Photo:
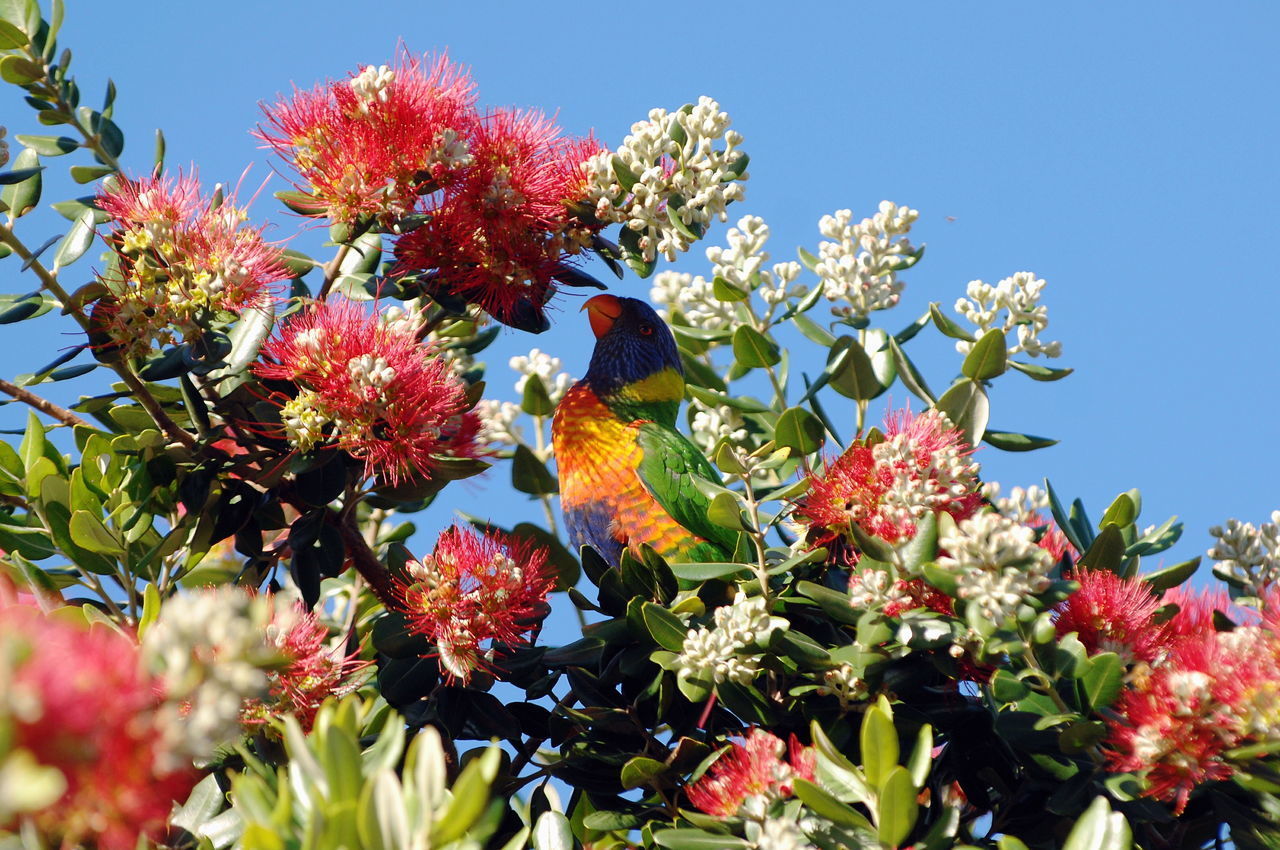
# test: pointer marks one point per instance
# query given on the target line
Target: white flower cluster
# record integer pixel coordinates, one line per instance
(743, 266)
(1250, 555)
(545, 368)
(372, 85)
(1018, 297)
(1021, 506)
(717, 654)
(672, 156)
(925, 477)
(781, 834)
(842, 683)
(210, 648)
(872, 588)
(711, 423)
(997, 563)
(859, 267)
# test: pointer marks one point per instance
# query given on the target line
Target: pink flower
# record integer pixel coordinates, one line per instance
(372, 143)
(1111, 614)
(920, 466)
(182, 263)
(311, 673)
(504, 232)
(473, 591)
(754, 771)
(370, 388)
(80, 702)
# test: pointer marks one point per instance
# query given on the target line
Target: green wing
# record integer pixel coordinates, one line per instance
(668, 469)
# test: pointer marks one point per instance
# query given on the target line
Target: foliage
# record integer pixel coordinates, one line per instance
(889, 653)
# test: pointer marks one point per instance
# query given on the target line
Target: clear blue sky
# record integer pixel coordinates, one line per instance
(1127, 153)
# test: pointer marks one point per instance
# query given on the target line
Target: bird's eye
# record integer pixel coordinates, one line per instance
(645, 330)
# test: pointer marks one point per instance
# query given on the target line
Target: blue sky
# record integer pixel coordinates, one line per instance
(1128, 154)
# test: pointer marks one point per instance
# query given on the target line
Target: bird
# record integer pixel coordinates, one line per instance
(627, 476)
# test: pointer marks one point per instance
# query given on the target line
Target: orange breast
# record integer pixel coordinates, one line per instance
(601, 494)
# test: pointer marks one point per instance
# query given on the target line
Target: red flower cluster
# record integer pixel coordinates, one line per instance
(77, 700)
(1206, 693)
(753, 772)
(312, 672)
(921, 466)
(370, 388)
(181, 261)
(499, 192)
(474, 590)
(1112, 614)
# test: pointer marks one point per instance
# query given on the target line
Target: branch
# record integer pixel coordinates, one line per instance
(367, 564)
(66, 417)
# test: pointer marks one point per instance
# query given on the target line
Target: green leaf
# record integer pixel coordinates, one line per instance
(1008, 688)
(1010, 441)
(987, 359)
(22, 196)
(530, 475)
(89, 533)
(897, 807)
(1099, 829)
(800, 430)
(696, 839)
(1103, 680)
(908, 374)
(752, 349)
(966, 405)
(204, 801)
(88, 173)
(824, 805)
(813, 331)
(626, 177)
(534, 399)
(850, 370)
(19, 70)
(1040, 373)
(726, 512)
(640, 771)
(944, 323)
(1106, 552)
(706, 571)
(869, 544)
(12, 38)
(921, 758)
(663, 626)
(1172, 576)
(48, 145)
(76, 242)
(714, 399)
(923, 547)
(1121, 512)
(552, 831)
(470, 797)
(879, 747)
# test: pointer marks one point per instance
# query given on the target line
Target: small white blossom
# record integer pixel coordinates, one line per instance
(210, 648)
(716, 653)
(711, 423)
(842, 683)
(1018, 298)
(997, 563)
(372, 85)
(1021, 506)
(546, 369)
(926, 476)
(697, 170)
(781, 834)
(1250, 555)
(859, 267)
(498, 422)
(304, 419)
(872, 588)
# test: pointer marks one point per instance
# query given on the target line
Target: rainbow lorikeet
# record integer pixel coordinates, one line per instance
(627, 476)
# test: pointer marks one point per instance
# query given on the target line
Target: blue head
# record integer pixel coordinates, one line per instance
(636, 364)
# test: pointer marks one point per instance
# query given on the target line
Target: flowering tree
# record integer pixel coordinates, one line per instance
(213, 634)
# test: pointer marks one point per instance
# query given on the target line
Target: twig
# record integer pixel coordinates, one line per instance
(66, 417)
(367, 563)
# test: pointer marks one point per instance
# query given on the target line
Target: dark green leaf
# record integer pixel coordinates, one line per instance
(1106, 552)
(752, 349)
(1121, 512)
(813, 331)
(1103, 680)
(76, 242)
(88, 173)
(12, 38)
(530, 475)
(706, 571)
(944, 323)
(1172, 576)
(1040, 373)
(696, 839)
(726, 512)
(966, 405)
(799, 430)
(49, 145)
(639, 771)
(824, 805)
(22, 194)
(663, 626)
(850, 370)
(987, 359)
(908, 374)
(1012, 442)
(534, 399)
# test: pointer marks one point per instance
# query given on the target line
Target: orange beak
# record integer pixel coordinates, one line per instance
(603, 311)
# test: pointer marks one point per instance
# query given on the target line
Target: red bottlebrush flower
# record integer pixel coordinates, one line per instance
(312, 672)
(1194, 617)
(1112, 614)
(472, 590)
(372, 143)
(181, 262)
(921, 466)
(80, 702)
(370, 388)
(753, 772)
(503, 233)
